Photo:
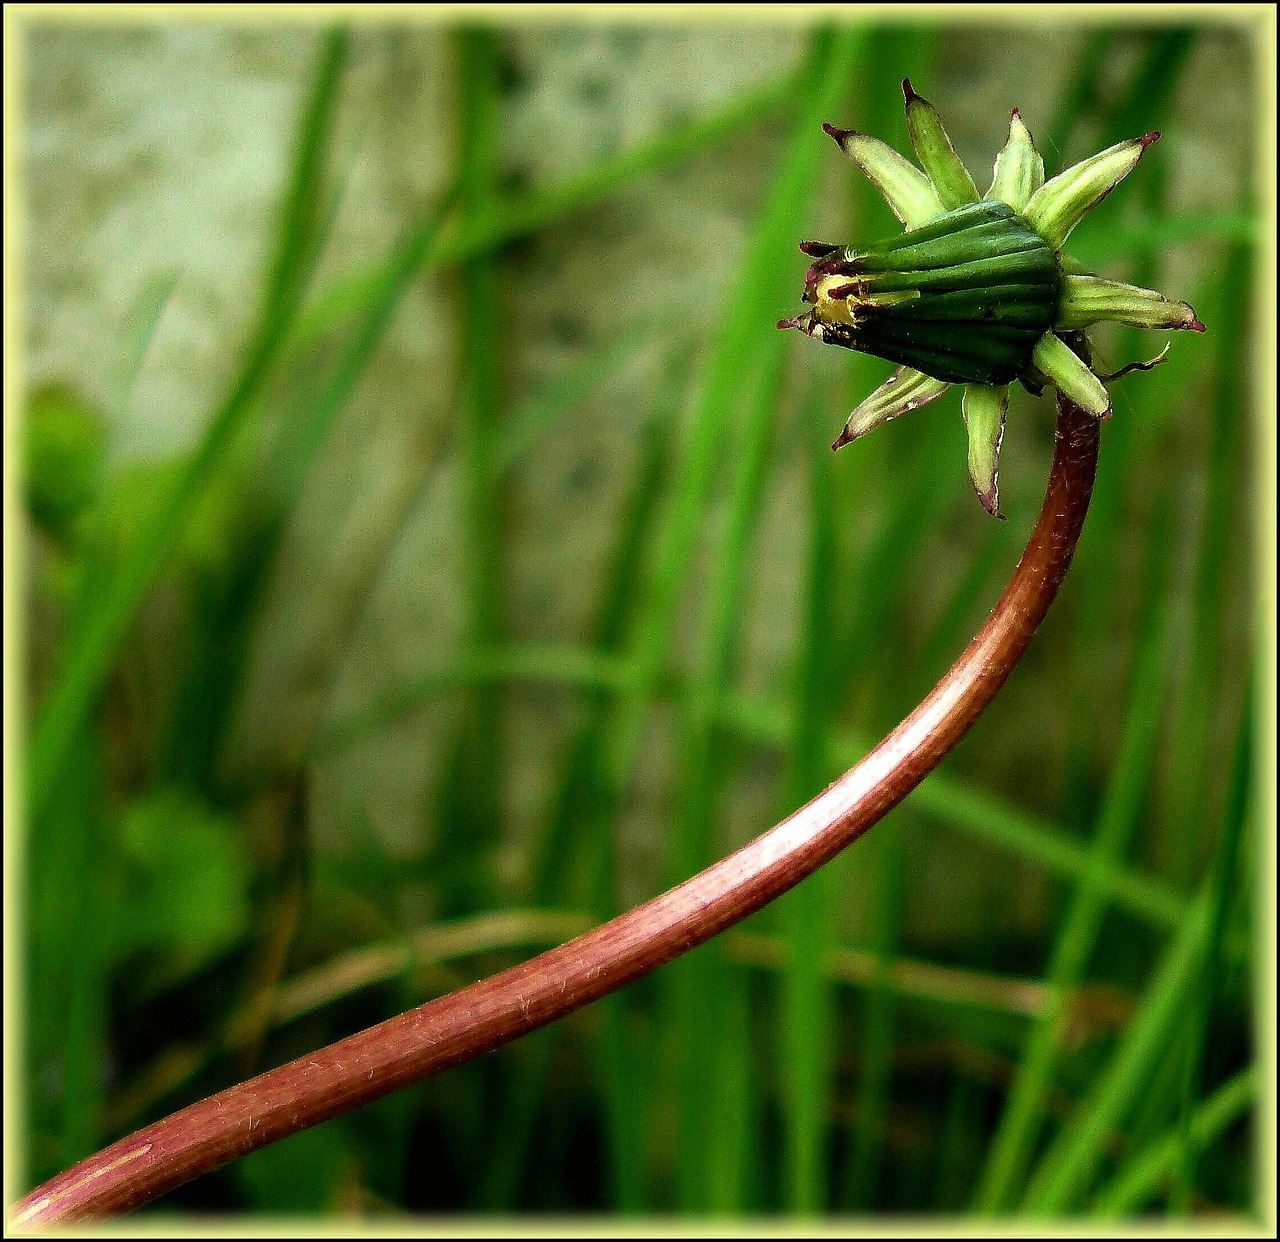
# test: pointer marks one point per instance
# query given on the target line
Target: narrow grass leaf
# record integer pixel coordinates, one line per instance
(505, 221)
(95, 645)
(1146, 1174)
(1065, 1175)
(1224, 886)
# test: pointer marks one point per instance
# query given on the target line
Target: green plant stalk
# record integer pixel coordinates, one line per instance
(486, 1015)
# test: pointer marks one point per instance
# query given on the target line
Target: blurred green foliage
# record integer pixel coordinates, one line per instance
(62, 455)
(836, 1055)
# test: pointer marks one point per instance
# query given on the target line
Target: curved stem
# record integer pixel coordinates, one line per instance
(488, 1014)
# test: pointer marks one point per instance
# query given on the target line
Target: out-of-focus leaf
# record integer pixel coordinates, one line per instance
(186, 878)
(62, 458)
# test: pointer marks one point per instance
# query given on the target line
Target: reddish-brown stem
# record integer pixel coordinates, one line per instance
(488, 1014)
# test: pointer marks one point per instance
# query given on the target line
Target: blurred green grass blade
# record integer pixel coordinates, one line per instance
(1146, 102)
(481, 352)
(576, 818)
(941, 797)
(749, 312)
(94, 646)
(1145, 1174)
(872, 474)
(583, 667)
(700, 1005)
(1081, 94)
(1153, 233)
(1147, 92)
(147, 314)
(580, 792)
(806, 1014)
(68, 983)
(623, 1051)
(1224, 885)
(1199, 704)
(306, 200)
(298, 444)
(871, 1102)
(1064, 1176)
(732, 1119)
(745, 314)
(983, 817)
(1019, 1128)
(536, 416)
(1043, 843)
(306, 427)
(627, 1044)
(224, 603)
(958, 1163)
(504, 222)
(470, 819)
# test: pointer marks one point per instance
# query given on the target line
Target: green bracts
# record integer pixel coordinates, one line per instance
(964, 298)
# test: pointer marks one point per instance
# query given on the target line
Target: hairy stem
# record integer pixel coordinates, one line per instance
(497, 1010)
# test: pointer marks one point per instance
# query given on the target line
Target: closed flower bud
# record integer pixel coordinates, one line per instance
(976, 290)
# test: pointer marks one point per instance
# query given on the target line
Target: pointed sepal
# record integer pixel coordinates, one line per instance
(904, 390)
(1066, 371)
(1019, 171)
(984, 407)
(909, 193)
(1060, 204)
(1089, 299)
(937, 156)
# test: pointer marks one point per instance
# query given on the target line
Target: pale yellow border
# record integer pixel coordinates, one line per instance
(14, 661)
(1264, 353)
(1259, 18)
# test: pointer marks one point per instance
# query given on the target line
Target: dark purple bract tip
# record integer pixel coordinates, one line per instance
(907, 91)
(1148, 139)
(990, 501)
